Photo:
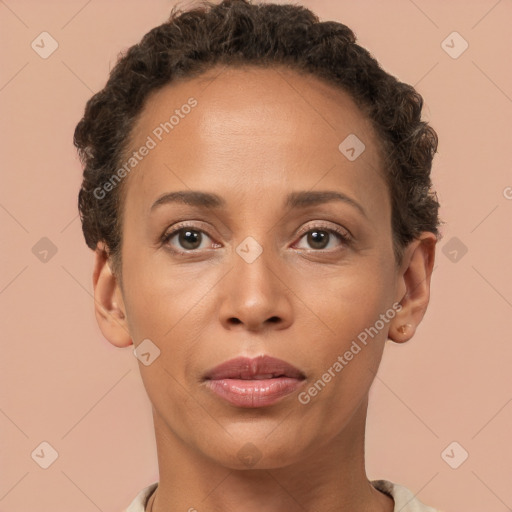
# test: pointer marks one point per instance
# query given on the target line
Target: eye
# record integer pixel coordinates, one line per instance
(188, 238)
(319, 237)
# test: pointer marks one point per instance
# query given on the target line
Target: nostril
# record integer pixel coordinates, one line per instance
(272, 319)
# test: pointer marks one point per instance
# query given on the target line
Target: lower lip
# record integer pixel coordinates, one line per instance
(254, 393)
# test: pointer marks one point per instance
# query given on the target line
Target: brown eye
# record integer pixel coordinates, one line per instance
(189, 239)
(185, 239)
(319, 238)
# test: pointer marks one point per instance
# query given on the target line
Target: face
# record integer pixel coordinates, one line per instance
(292, 258)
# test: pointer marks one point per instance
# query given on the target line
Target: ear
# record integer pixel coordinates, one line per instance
(108, 301)
(413, 286)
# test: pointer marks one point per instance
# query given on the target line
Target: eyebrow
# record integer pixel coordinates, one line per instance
(294, 200)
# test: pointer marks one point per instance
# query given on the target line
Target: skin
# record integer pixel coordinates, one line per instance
(255, 136)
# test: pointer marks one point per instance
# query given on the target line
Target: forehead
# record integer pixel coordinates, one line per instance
(252, 127)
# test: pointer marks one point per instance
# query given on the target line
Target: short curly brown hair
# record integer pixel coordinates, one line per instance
(237, 32)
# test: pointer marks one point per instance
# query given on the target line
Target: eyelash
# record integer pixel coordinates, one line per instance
(341, 234)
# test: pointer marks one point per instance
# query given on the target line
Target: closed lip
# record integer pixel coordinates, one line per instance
(260, 367)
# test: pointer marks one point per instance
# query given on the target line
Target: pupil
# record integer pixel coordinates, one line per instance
(316, 237)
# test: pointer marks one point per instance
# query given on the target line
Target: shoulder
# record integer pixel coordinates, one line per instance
(139, 503)
(405, 500)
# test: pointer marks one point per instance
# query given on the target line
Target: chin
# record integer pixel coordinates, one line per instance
(260, 453)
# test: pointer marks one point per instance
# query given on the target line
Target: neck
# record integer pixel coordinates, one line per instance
(331, 476)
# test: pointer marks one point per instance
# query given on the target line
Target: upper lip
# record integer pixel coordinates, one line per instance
(247, 368)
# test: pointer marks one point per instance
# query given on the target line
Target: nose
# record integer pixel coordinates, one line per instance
(256, 296)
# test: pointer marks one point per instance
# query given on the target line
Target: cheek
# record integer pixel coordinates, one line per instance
(169, 304)
(347, 350)
(153, 293)
(348, 299)
(345, 319)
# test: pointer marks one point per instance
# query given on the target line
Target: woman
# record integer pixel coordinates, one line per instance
(257, 192)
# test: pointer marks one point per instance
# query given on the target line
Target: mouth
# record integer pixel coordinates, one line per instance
(258, 368)
(257, 382)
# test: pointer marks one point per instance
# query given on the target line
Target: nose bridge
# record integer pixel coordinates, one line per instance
(254, 251)
(253, 268)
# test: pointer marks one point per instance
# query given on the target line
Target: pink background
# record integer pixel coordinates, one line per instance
(63, 383)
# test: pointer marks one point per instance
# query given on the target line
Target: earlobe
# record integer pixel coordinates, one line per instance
(414, 287)
(108, 301)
